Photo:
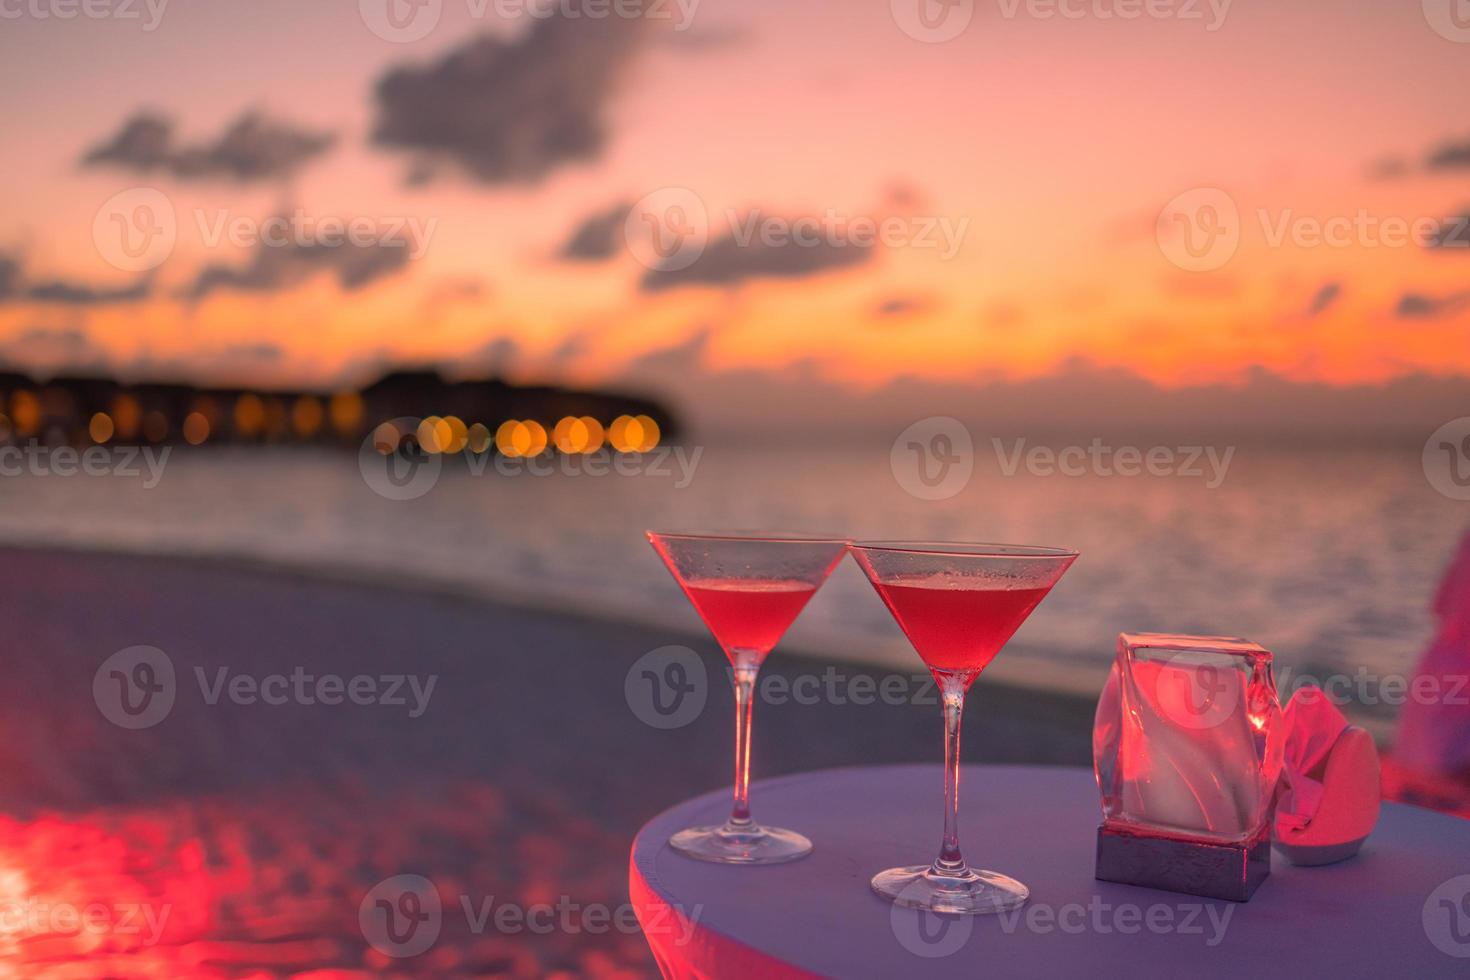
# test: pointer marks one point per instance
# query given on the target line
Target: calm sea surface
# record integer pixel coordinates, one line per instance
(1328, 557)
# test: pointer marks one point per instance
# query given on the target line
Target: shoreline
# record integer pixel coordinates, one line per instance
(1003, 674)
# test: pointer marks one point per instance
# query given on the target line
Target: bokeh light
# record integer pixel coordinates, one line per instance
(196, 428)
(100, 428)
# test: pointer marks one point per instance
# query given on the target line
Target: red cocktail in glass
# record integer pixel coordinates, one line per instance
(748, 588)
(958, 604)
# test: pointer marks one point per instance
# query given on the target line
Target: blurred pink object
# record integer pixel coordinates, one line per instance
(1434, 725)
(1330, 783)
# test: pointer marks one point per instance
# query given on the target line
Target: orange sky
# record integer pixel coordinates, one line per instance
(1054, 143)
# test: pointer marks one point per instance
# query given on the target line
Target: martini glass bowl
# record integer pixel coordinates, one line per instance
(748, 588)
(958, 604)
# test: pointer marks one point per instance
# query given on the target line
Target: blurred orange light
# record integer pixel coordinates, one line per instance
(536, 437)
(435, 435)
(479, 438)
(386, 438)
(505, 438)
(345, 409)
(249, 415)
(648, 431)
(100, 428)
(306, 416)
(617, 433)
(25, 410)
(127, 415)
(196, 428)
(458, 435)
(594, 438)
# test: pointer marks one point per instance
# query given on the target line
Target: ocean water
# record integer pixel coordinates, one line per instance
(1328, 557)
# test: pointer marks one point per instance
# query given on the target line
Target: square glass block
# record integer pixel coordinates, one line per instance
(1188, 738)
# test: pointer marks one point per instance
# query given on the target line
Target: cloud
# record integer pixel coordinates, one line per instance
(14, 287)
(1324, 298)
(53, 349)
(598, 237)
(726, 261)
(703, 40)
(1076, 400)
(899, 306)
(1388, 168)
(253, 148)
(1450, 156)
(510, 111)
(1418, 306)
(281, 267)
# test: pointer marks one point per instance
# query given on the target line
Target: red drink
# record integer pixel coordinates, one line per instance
(748, 613)
(956, 628)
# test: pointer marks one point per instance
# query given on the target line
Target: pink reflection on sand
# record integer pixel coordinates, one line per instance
(269, 883)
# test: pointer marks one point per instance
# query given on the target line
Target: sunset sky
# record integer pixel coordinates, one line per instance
(1049, 145)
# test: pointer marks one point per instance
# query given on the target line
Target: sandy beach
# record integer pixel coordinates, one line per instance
(250, 819)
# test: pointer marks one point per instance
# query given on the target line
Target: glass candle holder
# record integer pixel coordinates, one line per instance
(1187, 747)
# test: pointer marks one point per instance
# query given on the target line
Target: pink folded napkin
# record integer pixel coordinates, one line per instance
(1313, 726)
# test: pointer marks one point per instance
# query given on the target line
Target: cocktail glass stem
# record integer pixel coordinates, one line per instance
(951, 863)
(746, 667)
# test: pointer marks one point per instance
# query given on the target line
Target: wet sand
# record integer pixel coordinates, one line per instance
(252, 831)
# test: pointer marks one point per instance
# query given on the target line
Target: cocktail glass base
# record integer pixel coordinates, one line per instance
(970, 892)
(752, 844)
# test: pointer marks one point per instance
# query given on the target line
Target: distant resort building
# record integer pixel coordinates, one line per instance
(403, 408)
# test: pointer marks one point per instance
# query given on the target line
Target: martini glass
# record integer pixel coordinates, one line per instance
(748, 588)
(958, 604)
